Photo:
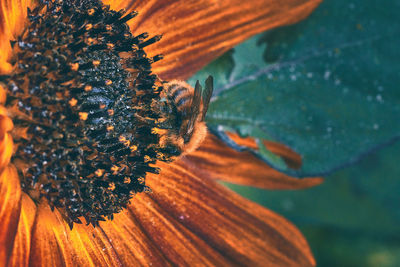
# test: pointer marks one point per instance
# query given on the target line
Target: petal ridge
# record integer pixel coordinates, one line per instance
(10, 208)
(216, 160)
(210, 211)
(196, 32)
(22, 242)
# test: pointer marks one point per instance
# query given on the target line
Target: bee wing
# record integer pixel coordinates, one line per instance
(197, 97)
(194, 112)
(207, 93)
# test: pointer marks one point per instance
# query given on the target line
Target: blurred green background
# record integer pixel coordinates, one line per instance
(353, 218)
(328, 87)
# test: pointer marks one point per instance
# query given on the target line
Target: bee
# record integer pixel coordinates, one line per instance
(182, 127)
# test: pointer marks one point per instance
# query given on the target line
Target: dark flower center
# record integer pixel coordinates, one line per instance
(84, 104)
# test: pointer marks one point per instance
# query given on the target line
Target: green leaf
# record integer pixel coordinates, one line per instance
(353, 218)
(327, 87)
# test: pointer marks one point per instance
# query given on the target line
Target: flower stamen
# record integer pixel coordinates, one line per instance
(88, 103)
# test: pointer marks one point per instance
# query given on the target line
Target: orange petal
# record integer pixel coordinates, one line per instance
(6, 143)
(133, 246)
(3, 94)
(10, 206)
(179, 245)
(22, 243)
(210, 218)
(13, 15)
(289, 156)
(54, 244)
(216, 160)
(196, 32)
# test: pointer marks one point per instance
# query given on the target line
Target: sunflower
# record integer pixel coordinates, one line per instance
(65, 158)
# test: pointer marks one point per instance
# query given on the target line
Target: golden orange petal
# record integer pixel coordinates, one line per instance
(196, 32)
(212, 213)
(179, 245)
(267, 215)
(6, 142)
(10, 206)
(216, 160)
(22, 243)
(289, 156)
(3, 94)
(13, 15)
(54, 244)
(133, 246)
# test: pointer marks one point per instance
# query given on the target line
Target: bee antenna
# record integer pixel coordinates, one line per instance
(207, 93)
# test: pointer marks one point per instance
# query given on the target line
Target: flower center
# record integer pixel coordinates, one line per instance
(84, 104)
